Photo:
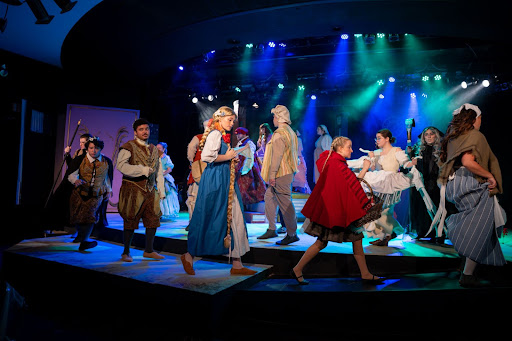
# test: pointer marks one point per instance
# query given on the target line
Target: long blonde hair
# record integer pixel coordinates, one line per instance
(215, 124)
(336, 143)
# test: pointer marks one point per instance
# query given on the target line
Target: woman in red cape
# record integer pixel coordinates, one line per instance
(335, 203)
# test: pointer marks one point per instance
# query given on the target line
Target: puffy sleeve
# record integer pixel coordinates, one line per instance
(326, 142)
(402, 157)
(211, 146)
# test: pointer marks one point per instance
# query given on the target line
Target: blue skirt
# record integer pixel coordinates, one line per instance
(208, 225)
(472, 231)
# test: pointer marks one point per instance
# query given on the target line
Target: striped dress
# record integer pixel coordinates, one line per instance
(473, 231)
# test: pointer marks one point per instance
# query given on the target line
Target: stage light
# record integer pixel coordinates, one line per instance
(302, 87)
(237, 89)
(369, 39)
(392, 37)
(413, 95)
(39, 11)
(391, 79)
(380, 82)
(280, 86)
(249, 46)
(485, 83)
(464, 85)
(255, 105)
(3, 71)
(65, 5)
(271, 44)
(181, 68)
(437, 77)
(344, 36)
(424, 95)
(425, 78)
(357, 35)
(194, 99)
(210, 98)
(381, 96)
(313, 97)
(380, 35)
(282, 44)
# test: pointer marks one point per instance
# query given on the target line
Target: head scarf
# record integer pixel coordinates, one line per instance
(282, 114)
(467, 106)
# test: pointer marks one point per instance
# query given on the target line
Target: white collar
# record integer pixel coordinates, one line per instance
(91, 159)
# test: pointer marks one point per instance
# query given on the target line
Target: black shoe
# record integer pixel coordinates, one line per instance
(76, 240)
(378, 280)
(268, 234)
(288, 240)
(303, 282)
(87, 245)
(281, 230)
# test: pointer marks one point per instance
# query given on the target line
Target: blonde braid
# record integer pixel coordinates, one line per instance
(336, 143)
(207, 132)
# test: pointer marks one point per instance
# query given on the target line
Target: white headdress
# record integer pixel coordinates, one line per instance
(467, 106)
(281, 113)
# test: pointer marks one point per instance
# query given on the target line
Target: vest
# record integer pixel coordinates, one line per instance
(145, 156)
(290, 157)
(86, 171)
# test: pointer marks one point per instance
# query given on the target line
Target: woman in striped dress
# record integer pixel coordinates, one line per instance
(470, 176)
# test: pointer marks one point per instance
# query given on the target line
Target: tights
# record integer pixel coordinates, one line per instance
(128, 236)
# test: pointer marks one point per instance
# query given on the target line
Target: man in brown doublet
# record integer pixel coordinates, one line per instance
(141, 188)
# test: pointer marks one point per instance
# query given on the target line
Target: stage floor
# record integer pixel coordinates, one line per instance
(403, 245)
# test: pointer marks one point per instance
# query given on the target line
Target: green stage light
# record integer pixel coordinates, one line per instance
(302, 87)
(437, 77)
(425, 78)
(380, 82)
(280, 86)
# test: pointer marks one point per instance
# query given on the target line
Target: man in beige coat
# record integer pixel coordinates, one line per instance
(279, 167)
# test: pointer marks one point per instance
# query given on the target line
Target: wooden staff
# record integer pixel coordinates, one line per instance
(63, 160)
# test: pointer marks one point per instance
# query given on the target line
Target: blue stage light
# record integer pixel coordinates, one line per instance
(344, 36)
(391, 79)
(271, 44)
(181, 68)
(313, 97)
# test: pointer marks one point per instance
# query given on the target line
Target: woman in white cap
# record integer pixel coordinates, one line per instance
(322, 144)
(470, 176)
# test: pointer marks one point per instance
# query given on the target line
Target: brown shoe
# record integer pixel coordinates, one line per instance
(126, 258)
(242, 271)
(153, 255)
(187, 266)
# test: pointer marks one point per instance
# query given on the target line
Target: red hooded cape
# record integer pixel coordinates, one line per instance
(338, 198)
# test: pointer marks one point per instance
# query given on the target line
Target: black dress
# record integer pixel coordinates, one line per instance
(420, 219)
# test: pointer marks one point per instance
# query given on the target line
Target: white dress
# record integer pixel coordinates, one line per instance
(170, 205)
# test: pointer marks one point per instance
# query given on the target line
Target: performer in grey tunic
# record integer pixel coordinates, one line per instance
(470, 177)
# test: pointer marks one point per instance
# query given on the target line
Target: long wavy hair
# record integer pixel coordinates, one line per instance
(460, 124)
(421, 144)
(267, 132)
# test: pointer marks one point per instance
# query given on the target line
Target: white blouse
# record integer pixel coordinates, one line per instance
(211, 146)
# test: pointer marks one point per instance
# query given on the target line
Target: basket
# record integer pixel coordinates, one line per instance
(375, 210)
